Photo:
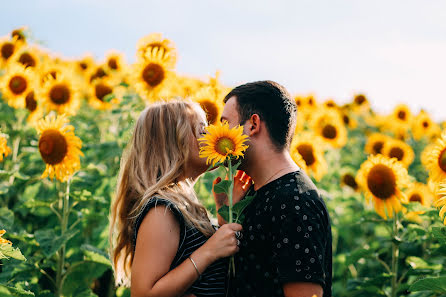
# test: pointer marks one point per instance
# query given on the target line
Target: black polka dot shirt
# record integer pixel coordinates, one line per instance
(286, 238)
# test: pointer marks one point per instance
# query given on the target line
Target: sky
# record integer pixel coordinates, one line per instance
(392, 51)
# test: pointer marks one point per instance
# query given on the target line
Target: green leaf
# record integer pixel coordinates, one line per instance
(50, 242)
(12, 291)
(440, 234)
(432, 284)
(8, 251)
(222, 187)
(354, 256)
(224, 212)
(80, 276)
(96, 255)
(418, 263)
(240, 206)
(6, 218)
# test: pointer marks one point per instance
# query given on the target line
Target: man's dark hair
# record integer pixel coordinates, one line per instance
(272, 103)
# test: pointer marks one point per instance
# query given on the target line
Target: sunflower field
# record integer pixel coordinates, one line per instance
(65, 122)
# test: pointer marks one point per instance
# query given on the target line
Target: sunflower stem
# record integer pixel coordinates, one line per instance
(231, 187)
(395, 255)
(61, 253)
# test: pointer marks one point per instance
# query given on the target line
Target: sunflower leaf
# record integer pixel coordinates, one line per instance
(224, 212)
(8, 251)
(50, 242)
(440, 234)
(222, 187)
(240, 206)
(432, 284)
(418, 263)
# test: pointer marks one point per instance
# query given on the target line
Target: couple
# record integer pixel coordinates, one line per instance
(166, 244)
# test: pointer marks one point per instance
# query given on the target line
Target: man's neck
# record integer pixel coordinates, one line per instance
(268, 167)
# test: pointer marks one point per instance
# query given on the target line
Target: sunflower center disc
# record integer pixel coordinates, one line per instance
(153, 74)
(211, 111)
(100, 73)
(17, 85)
(27, 60)
(31, 103)
(359, 99)
(346, 119)
(350, 181)
(52, 146)
(113, 64)
(102, 90)
(224, 145)
(415, 198)
(381, 181)
(425, 124)
(83, 65)
(7, 50)
(396, 152)
(402, 115)
(329, 131)
(442, 160)
(60, 94)
(377, 147)
(306, 151)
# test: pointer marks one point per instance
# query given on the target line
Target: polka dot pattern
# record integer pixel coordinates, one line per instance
(286, 238)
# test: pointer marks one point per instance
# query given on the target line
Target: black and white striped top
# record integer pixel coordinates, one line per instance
(213, 280)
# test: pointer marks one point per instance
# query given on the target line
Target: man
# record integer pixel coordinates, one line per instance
(285, 248)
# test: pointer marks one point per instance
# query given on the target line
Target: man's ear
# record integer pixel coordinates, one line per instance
(254, 124)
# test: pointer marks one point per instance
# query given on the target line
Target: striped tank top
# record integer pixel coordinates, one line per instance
(213, 281)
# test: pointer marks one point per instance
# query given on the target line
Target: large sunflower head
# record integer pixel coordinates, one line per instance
(155, 44)
(17, 82)
(309, 147)
(328, 124)
(210, 103)
(61, 94)
(151, 77)
(434, 158)
(395, 148)
(382, 180)
(4, 149)
(221, 141)
(59, 148)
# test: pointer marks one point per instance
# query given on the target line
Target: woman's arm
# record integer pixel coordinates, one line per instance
(156, 246)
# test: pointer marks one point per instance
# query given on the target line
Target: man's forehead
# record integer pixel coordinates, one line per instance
(230, 109)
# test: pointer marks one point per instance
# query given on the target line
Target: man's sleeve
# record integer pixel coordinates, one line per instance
(300, 238)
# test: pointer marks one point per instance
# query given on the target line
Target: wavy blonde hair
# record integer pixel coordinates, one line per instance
(151, 165)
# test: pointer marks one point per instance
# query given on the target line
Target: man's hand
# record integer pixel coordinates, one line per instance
(242, 182)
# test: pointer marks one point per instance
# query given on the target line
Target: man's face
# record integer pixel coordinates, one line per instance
(230, 113)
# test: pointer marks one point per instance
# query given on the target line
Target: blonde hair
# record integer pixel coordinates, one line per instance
(151, 165)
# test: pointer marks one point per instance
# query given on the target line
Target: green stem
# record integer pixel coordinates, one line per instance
(61, 253)
(231, 187)
(395, 255)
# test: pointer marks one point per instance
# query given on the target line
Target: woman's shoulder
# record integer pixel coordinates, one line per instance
(153, 202)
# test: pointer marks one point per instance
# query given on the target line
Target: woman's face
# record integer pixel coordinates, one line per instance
(197, 165)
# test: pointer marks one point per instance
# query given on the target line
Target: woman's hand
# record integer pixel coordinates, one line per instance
(222, 243)
(242, 183)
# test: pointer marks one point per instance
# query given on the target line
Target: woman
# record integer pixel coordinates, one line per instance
(165, 243)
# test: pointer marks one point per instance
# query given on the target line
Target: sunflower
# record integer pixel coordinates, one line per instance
(375, 143)
(399, 121)
(155, 44)
(61, 94)
(59, 147)
(2, 240)
(310, 149)
(103, 94)
(441, 201)
(220, 141)
(395, 148)
(4, 149)
(382, 180)
(297, 158)
(20, 34)
(419, 192)
(348, 179)
(28, 57)
(349, 121)
(360, 104)
(35, 111)
(17, 82)
(423, 126)
(208, 100)
(115, 62)
(151, 77)
(328, 124)
(330, 103)
(7, 49)
(434, 158)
